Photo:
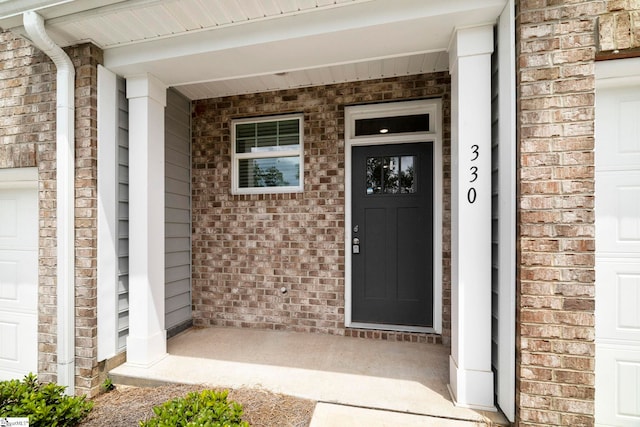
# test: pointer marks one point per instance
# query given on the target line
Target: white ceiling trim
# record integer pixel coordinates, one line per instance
(225, 47)
(346, 17)
(11, 10)
(173, 14)
(289, 44)
(326, 75)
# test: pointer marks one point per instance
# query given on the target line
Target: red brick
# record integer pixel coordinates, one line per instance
(304, 250)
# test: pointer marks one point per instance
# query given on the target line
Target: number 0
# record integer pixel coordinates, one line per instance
(471, 195)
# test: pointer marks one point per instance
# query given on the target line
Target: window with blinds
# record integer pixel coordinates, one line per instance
(267, 155)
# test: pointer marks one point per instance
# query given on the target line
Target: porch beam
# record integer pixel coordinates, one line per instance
(470, 375)
(146, 343)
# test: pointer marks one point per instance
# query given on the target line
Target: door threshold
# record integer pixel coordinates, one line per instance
(393, 328)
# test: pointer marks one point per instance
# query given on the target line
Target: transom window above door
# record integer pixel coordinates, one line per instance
(397, 121)
(392, 125)
(267, 155)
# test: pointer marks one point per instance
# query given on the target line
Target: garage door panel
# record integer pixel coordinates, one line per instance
(18, 281)
(19, 349)
(619, 295)
(618, 128)
(8, 218)
(18, 211)
(8, 282)
(619, 379)
(629, 142)
(618, 210)
(9, 335)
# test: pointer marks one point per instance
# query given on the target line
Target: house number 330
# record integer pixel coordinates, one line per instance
(473, 175)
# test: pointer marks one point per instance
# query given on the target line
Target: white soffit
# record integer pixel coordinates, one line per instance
(366, 70)
(208, 48)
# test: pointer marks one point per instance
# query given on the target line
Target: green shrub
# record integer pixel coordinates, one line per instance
(206, 409)
(44, 404)
(108, 385)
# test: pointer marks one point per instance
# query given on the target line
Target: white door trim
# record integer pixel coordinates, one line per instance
(19, 178)
(434, 108)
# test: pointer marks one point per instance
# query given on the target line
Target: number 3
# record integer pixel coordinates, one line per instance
(474, 172)
(474, 150)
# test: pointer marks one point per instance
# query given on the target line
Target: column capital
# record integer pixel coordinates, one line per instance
(469, 42)
(147, 86)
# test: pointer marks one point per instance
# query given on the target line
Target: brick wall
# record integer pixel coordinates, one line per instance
(557, 45)
(27, 104)
(245, 248)
(619, 28)
(556, 48)
(27, 139)
(89, 375)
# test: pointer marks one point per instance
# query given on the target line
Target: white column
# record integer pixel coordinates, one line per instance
(147, 342)
(470, 375)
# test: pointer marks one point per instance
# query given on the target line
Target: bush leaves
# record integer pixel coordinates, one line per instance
(45, 405)
(208, 408)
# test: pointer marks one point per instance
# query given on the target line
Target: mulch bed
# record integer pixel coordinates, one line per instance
(126, 406)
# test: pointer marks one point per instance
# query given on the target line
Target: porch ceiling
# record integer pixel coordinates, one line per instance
(210, 48)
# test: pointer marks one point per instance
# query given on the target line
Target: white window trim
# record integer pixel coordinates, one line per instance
(433, 107)
(235, 157)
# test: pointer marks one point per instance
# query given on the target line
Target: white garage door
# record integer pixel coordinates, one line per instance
(18, 274)
(618, 254)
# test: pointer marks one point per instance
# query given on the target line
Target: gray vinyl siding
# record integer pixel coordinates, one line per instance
(123, 215)
(177, 212)
(495, 277)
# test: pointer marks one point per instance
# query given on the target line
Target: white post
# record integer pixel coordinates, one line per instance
(147, 342)
(470, 375)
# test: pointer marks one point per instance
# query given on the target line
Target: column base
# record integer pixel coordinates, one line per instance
(471, 389)
(145, 351)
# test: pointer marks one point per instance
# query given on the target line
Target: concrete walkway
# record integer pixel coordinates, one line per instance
(356, 382)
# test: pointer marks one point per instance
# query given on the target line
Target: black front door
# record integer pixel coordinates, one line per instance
(392, 231)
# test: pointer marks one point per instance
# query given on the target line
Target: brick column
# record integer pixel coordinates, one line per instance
(85, 59)
(555, 57)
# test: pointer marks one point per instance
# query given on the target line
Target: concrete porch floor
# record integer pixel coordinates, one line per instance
(351, 378)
